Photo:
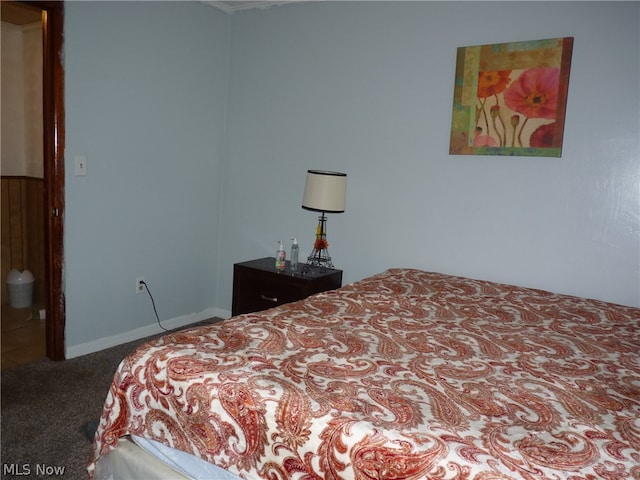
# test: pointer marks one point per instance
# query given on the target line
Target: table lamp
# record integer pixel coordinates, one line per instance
(324, 192)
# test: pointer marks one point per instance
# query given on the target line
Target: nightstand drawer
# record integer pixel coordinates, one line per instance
(258, 286)
(259, 292)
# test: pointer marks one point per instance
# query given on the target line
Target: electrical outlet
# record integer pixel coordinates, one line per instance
(140, 285)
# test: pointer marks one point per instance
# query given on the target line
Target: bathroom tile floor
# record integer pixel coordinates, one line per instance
(22, 336)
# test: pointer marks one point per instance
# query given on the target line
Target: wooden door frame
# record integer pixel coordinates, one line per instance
(53, 152)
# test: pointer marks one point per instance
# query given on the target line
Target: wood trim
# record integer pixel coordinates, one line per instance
(54, 143)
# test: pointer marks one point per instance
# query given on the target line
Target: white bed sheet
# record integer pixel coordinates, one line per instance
(182, 462)
(140, 458)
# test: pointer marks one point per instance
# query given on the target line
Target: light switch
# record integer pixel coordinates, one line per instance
(81, 165)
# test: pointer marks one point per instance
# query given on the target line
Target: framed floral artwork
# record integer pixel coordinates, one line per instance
(510, 98)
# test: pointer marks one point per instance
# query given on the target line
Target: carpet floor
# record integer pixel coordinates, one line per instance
(50, 410)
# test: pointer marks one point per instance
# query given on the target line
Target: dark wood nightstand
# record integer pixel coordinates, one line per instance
(258, 286)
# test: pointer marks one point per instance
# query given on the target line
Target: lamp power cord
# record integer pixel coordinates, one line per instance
(146, 287)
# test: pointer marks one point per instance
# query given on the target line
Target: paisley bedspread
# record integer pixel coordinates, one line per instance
(404, 375)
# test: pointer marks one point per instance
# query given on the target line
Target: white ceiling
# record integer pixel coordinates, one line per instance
(235, 6)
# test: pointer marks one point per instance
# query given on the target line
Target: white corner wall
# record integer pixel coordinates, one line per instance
(22, 100)
(33, 125)
(366, 88)
(13, 162)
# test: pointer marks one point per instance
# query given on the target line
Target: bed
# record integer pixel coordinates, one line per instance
(406, 374)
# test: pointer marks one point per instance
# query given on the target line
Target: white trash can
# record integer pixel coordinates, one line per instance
(20, 285)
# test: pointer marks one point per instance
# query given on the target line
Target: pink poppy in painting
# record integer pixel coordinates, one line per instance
(534, 93)
(484, 141)
(542, 137)
(492, 83)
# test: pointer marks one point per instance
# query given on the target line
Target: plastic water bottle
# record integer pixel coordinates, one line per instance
(281, 258)
(294, 255)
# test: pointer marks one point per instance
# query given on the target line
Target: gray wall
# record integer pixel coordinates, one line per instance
(145, 102)
(199, 127)
(366, 88)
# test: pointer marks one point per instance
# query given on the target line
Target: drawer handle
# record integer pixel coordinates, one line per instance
(269, 299)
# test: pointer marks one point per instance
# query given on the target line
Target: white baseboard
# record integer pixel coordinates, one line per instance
(142, 332)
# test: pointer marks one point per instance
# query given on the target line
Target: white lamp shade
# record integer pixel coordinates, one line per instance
(325, 191)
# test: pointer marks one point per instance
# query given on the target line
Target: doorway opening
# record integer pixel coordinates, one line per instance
(43, 181)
